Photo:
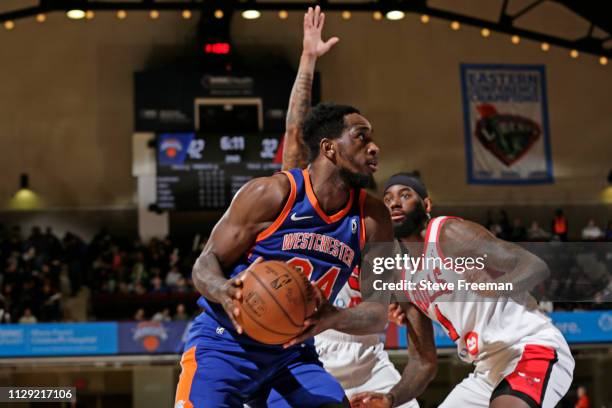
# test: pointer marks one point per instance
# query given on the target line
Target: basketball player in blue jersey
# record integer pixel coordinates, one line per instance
(358, 362)
(317, 219)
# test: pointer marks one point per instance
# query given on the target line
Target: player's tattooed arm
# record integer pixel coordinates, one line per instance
(420, 370)
(253, 209)
(503, 261)
(295, 152)
(422, 363)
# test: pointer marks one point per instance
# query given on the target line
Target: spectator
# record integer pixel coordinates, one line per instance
(583, 399)
(5, 316)
(163, 316)
(608, 233)
(139, 316)
(536, 233)
(180, 312)
(173, 276)
(519, 232)
(504, 223)
(495, 228)
(28, 317)
(157, 286)
(181, 285)
(591, 232)
(559, 225)
(139, 289)
(139, 273)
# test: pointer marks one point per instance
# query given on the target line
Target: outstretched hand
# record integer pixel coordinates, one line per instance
(313, 43)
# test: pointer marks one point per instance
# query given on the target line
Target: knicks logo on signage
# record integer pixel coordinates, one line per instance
(151, 334)
(172, 148)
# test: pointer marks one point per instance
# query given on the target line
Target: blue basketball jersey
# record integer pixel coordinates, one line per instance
(326, 248)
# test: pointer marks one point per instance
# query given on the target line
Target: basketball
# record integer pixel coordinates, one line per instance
(276, 299)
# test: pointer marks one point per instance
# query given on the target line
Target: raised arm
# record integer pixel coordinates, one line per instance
(295, 153)
(253, 209)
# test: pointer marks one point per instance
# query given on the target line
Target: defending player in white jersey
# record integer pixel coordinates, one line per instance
(359, 363)
(521, 359)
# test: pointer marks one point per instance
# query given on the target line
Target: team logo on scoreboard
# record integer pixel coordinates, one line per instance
(172, 147)
(507, 137)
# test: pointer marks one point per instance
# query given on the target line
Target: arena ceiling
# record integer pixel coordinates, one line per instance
(580, 25)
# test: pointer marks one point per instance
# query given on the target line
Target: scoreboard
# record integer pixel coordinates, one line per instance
(203, 171)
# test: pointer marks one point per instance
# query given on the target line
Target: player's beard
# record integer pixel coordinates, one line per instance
(413, 223)
(357, 180)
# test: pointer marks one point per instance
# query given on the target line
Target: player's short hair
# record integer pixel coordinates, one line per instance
(326, 120)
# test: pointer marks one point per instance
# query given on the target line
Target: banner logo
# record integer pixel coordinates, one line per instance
(507, 136)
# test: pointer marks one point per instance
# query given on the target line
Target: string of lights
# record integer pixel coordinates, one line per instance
(391, 10)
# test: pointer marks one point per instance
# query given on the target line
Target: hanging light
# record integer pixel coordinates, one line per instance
(395, 15)
(455, 25)
(41, 18)
(377, 15)
(424, 19)
(485, 32)
(154, 14)
(186, 14)
(75, 14)
(251, 14)
(603, 60)
(346, 15)
(574, 54)
(219, 13)
(9, 25)
(89, 15)
(121, 14)
(515, 39)
(545, 47)
(283, 14)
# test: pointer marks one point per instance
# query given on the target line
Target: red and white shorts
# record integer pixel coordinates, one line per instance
(541, 377)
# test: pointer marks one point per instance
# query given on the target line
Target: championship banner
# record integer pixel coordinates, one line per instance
(506, 124)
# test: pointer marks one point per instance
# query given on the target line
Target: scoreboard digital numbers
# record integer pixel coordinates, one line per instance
(202, 171)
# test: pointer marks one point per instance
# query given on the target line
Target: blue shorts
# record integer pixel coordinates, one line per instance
(220, 368)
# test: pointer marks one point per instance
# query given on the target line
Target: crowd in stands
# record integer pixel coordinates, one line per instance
(37, 272)
(517, 231)
(151, 281)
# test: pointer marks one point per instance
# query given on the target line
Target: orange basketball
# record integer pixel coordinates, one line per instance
(276, 299)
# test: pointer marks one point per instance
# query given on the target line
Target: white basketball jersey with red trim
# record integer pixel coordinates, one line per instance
(349, 295)
(483, 327)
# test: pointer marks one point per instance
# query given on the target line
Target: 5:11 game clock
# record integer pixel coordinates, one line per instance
(202, 171)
